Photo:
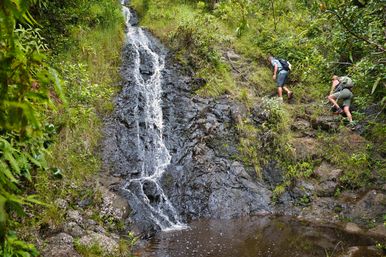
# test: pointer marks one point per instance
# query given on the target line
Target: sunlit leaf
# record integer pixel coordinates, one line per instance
(375, 85)
(3, 215)
(5, 170)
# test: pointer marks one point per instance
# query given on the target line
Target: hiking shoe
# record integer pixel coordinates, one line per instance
(290, 94)
(339, 111)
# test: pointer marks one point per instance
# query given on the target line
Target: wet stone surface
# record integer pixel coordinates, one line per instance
(201, 179)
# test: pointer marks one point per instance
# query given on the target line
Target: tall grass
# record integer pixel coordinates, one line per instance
(90, 74)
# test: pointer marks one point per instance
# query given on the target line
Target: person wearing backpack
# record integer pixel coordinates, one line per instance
(341, 90)
(281, 70)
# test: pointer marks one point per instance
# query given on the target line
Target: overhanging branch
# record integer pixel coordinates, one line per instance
(380, 47)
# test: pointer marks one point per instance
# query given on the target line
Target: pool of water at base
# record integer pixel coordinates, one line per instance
(256, 237)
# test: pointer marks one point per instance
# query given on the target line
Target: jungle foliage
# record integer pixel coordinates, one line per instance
(319, 38)
(29, 88)
(58, 60)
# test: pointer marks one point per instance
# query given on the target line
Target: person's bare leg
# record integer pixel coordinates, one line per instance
(346, 110)
(331, 98)
(280, 91)
(289, 92)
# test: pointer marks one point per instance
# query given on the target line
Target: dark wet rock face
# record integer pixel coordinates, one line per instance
(199, 175)
(272, 175)
(202, 179)
(173, 154)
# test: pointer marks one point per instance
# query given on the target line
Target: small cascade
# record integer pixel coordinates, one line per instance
(144, 77)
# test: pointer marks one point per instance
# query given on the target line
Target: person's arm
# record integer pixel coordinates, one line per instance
(335, 82)
(274, 71)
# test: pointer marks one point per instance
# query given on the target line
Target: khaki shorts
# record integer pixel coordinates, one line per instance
(345, 95)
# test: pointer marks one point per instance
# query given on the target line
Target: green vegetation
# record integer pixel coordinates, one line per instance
(268, 140)
(59, 60)
(351, 157)
(58, 64)
(189, 32)
(320, 38)
(29, 88)
(308, 33)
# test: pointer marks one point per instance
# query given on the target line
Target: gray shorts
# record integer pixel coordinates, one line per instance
(281, 78)
(345, 95)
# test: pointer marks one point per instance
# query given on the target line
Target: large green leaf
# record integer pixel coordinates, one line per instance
(6, 171)
(3, 215)
(375, 85)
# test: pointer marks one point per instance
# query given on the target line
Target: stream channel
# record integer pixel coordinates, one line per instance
(186, 196)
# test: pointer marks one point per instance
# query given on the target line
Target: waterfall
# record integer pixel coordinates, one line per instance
(146, 119)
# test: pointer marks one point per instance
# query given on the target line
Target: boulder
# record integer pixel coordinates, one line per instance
(232, 55)
(305, 148)
(327, 123)
(370, 207)
(326, 188)
(61, 203)
(378, 231)
(359, 251)
(75, 216)
(302, 188)
(303, 128)
(60, 245)
(57, 250)
(107, 244)
(327, 172)
(73, 229)
(327, 179)
(352, 228)
(113, 205)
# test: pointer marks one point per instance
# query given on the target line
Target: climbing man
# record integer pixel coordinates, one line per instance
(341, 90)
(281, 70)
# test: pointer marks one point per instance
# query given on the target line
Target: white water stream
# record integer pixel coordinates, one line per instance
(152, 152)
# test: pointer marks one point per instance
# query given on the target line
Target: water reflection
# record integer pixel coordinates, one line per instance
(255, 237)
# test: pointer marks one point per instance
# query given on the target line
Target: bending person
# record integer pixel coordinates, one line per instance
(280, 74)
(340, 92)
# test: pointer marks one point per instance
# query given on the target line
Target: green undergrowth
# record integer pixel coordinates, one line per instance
(293, 172)
(86, 53)
(196, 39)
(355, 159)
(200, 38)
(309, 35)
(90, 71)
(361, 165)
(267, 141)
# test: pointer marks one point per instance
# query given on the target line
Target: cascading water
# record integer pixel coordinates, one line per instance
(144, 78)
